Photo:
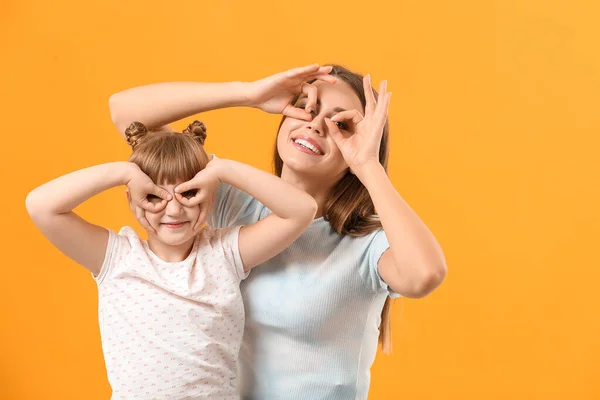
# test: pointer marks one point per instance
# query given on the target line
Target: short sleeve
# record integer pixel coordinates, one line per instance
(116, 249)
(232, 207)
(377, 247)
(229, 238)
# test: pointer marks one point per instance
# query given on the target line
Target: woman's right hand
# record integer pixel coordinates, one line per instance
(145, 195)
(275, 93)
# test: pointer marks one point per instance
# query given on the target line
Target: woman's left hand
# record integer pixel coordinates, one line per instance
(362, 148)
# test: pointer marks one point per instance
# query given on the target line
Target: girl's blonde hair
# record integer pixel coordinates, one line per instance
(168, 157)
(349, 208)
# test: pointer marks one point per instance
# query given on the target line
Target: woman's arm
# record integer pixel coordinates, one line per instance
(414, 265)
(160, 104)
(50, 206)
(292, 209)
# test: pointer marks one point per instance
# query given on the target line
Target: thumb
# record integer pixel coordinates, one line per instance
(184, 187)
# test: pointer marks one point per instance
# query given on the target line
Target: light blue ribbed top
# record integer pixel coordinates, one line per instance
(312, 312)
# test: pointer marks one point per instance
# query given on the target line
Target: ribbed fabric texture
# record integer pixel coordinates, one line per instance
(312, 312)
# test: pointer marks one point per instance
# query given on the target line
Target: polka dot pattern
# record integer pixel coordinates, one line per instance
(172, 330)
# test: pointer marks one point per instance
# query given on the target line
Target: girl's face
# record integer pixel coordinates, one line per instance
(174, 224)
(306, 147)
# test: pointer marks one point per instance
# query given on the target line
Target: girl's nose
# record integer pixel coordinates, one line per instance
(174, 207)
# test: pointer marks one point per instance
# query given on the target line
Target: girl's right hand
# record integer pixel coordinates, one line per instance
(145, 196)
(275, 93)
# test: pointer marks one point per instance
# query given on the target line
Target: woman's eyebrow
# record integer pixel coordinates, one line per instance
(336, 109)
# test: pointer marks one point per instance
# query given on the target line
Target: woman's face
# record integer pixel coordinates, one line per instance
(306, 147)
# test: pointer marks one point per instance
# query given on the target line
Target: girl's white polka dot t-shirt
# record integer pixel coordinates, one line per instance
(172, 330)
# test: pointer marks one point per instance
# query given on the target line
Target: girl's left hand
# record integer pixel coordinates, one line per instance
(362, 148)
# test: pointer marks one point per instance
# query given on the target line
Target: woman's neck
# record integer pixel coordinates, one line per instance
(318, 187)
(170, 253)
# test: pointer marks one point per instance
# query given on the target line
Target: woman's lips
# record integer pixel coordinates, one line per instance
(310, 141)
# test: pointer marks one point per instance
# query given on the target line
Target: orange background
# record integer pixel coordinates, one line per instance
(495, 140)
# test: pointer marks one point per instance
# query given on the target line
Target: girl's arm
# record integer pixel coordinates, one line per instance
(160, 104)
(50, 206)
(292, 209)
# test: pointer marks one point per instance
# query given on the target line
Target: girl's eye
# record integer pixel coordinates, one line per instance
(153, 198)
(190, 193)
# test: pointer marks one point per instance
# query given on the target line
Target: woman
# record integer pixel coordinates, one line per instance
(313, 311)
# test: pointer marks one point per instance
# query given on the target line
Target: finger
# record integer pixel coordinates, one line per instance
(326, 69)
(382, 104)
(369, 95)
(295, 112)
(140, 215)
(311, 94)
(294, 72)
(382, 93)
(192, 201)
(185, 186)
(322, 71)
(351, 115)
(382, 119)
(334, 131)
(204, 210)
(325, 78)
(160, 192)
(152, 207)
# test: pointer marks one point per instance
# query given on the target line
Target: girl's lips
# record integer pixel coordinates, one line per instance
(174, 225)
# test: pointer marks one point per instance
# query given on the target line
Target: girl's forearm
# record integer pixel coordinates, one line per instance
(282, 198)
(65, 193)
(160, 104)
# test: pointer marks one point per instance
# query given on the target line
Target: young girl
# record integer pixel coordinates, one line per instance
(170, 309)
(313, 311)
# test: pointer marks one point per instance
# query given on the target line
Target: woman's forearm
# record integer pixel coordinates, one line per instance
(160, 104)
(65, 193)
(417, 254)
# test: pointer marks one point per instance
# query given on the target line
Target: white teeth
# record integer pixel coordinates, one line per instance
(306, 144)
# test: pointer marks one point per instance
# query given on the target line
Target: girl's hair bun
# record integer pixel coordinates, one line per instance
(197, 130)
(135, 134)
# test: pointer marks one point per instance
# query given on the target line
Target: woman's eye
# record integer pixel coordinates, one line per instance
(189, 194)
(341, 125)
(303, 106)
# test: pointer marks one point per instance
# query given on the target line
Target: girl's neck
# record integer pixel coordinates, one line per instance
(170, 253)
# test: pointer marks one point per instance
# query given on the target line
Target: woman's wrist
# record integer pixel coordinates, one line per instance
(239, 93)
(367, 171)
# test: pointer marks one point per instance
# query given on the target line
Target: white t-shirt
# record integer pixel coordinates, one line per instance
(172, 330)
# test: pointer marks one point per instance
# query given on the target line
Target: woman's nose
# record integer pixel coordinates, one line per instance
(317, 125)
